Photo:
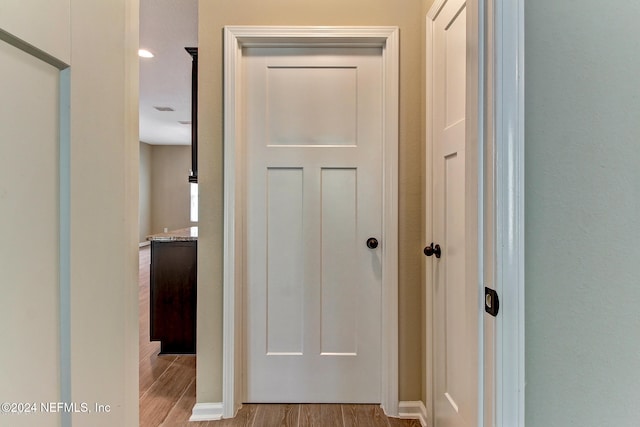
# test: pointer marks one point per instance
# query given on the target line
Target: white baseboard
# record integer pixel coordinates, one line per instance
(206, 412)
(213, 411)
(413, 410)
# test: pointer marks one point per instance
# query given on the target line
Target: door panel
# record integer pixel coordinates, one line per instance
(455, 295)
(29, 250)
(455, 33)
(285, 268)
(339, 282)
(453, 291)
(312, 106)
(314, 187)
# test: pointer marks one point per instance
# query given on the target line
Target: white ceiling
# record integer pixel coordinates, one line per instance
(166, 28)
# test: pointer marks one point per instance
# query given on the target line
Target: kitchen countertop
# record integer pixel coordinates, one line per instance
(182, 235)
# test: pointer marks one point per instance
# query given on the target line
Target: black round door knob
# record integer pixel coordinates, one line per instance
(433, 250)
(372, 243)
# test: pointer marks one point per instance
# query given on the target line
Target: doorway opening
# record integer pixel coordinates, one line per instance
(167, 201)
(385, 38)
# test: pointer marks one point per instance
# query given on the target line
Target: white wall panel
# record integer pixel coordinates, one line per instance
(29, 252)
(67, 334)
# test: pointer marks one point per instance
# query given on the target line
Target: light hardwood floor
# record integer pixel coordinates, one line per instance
(168, 390)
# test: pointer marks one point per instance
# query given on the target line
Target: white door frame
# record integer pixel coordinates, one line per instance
(508, 204)
(235, 39)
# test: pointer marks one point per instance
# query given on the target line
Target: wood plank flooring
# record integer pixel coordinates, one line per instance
(168, 390)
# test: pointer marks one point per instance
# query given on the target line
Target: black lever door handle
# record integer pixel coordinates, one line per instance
(433, 250)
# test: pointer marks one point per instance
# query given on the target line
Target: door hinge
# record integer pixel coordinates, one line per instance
(491, 301)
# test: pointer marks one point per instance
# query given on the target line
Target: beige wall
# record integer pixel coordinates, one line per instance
(164, 192)
(170, 191)
(408, 16)
(104, 176)
(52, 33)
(144, 206)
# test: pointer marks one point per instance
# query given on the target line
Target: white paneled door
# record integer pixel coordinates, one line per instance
(455, 294)
(314, 191)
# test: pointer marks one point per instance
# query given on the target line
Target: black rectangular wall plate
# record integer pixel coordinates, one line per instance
(491, 301)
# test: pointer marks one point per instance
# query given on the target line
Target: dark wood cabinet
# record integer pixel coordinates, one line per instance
(173, 296)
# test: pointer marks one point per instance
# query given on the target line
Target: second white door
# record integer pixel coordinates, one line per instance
(314, 199)
(454, 289)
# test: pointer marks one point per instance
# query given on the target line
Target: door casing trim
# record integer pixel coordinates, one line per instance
(509, 208)
(235, 39)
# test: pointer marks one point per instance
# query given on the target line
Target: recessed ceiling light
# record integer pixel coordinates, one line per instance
(144, 53)
(164, 108)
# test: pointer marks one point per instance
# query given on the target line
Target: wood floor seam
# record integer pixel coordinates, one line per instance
(157, 379)
(173, 409)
